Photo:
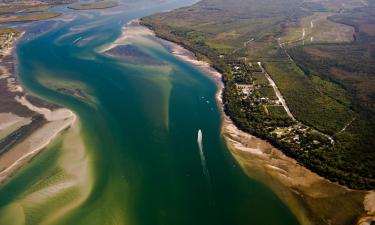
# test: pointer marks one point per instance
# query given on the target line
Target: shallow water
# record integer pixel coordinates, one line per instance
(139, 122)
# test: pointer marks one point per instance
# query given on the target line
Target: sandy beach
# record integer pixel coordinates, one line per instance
(44, 123)
(130, 32)
(56, 120)
(312, 198)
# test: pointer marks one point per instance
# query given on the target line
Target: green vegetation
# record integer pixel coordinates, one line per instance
(32, 17)
(30, 6)
(306, 102)
(23, 8)
(232, 34)
(318, 28)
(276, 111)
(8, 30)
(267, 92)
(314, 7)
(94, 5)
(42, 8)
(260, 79)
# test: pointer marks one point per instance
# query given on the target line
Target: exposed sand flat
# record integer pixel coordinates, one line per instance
(4, 72)
(13, 86)
(59, 120)
(45, 194)
(73, 181)
(59, 114)
(313, 199)
(18, 155)
(77, 179)
(65, 18)
(10, 122)
(370, 202)
(76, 164)
(130, 32)
(9, 119)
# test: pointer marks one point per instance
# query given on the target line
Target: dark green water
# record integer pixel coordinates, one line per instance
(139, 123)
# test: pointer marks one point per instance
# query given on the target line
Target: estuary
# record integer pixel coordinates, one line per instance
(132, 156)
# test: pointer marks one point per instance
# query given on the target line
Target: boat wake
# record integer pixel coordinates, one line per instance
(205, 169)
(201, 153)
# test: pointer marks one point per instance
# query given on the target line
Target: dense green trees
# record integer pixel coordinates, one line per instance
(316, 98)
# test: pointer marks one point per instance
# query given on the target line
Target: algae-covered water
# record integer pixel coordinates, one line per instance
(133, 157)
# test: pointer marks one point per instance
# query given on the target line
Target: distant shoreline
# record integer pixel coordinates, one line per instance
(29, 18)
(95, 5)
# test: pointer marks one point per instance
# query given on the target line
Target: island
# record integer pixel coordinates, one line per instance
(94, 5)
(132, 54)
(31, 17)
(18, 6)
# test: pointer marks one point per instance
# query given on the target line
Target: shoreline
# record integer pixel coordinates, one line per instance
(57, 124)
(55, 120)
(299, 188)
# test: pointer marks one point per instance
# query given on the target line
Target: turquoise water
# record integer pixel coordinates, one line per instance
(139, 122)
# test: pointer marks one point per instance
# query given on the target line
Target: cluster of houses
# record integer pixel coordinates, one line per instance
(6, 42)
(302, 136)
(250, 80)
(248, 86)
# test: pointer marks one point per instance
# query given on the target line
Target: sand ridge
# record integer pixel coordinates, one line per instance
(58, 120)
(131, 31)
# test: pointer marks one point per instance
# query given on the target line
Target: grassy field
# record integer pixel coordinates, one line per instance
(94, 5)
(31, 17)
(318, 28)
